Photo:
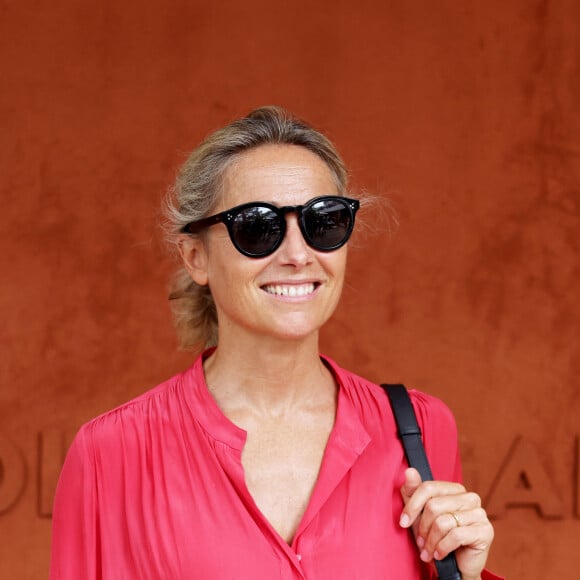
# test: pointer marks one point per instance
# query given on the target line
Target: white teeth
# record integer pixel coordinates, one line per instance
(279, 290)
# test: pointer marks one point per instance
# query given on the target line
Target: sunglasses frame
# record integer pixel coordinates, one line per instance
(228, 217)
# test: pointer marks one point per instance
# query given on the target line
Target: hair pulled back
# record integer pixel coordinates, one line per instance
(196, 193)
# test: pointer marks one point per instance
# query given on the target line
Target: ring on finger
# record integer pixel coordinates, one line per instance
(455, 516)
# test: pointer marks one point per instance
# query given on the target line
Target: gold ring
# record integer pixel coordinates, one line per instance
(456, 518)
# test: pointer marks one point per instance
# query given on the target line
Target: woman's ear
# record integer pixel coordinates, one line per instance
(194, 256)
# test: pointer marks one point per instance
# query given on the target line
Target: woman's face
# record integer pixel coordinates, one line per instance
(291, 293)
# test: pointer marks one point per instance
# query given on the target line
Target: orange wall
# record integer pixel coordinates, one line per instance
(465, 114)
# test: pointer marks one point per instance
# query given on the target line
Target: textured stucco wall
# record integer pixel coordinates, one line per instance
(465, 114)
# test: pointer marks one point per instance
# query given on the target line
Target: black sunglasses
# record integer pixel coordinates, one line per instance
(258, 228)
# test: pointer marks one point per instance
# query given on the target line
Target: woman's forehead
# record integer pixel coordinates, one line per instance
(279, 174)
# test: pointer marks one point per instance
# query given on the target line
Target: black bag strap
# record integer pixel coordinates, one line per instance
(410, 434)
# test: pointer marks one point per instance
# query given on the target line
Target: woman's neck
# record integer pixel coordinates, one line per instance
(268, 376)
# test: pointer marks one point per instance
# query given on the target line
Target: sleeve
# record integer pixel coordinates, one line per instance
(75, 525)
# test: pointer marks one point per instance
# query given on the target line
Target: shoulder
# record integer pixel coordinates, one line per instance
(435, 419)
(433, 415)
(429, 409)
(131, 421)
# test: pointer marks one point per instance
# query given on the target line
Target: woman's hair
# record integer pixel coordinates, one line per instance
(197, 190)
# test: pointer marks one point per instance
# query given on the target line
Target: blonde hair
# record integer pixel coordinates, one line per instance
(196, 192)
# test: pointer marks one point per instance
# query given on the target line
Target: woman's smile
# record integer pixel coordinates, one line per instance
(295, 290)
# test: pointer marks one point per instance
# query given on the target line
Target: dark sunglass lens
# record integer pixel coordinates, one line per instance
(328, 223)
(257, 230)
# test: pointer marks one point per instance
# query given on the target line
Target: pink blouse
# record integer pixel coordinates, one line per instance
(155, 490)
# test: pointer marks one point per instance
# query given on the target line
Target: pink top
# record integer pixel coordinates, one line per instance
(155, 490)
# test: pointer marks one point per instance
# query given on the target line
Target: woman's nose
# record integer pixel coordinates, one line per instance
(294, 249)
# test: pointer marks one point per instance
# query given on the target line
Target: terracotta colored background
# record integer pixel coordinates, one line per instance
(466, 114)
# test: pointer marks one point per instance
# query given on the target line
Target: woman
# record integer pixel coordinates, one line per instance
(263, 460)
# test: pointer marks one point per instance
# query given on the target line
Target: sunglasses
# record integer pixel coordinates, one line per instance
(257, 229)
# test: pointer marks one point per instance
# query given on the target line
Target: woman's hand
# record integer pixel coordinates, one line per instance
(446, 517)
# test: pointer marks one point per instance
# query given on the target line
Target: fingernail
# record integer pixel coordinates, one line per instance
(404, 521)
(424, 556)
(420, 542)
(437, 556)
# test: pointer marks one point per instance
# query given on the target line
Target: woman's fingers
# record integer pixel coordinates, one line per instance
(445, 518)
(409, 487)
(448, 511)
(416, 494)
(471, 545)
(446, 534)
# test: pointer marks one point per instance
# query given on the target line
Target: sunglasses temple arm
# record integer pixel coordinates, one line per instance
(197, 226)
